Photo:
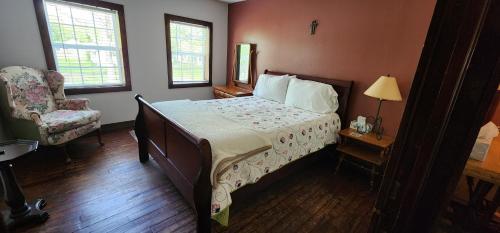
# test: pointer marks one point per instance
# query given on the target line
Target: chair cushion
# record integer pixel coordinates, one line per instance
(64, 120)
(66, 136)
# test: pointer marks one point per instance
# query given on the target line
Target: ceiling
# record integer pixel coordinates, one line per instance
(231, 1)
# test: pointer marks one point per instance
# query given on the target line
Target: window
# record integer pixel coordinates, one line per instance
(189, 52)
(85, 41)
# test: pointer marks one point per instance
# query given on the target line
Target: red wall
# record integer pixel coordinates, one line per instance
(356, 40)
(495, 109)
(496, 116)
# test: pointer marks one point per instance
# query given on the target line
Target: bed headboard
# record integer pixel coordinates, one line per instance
(342, 87)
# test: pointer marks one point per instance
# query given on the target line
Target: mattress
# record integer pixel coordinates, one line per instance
(294, 133)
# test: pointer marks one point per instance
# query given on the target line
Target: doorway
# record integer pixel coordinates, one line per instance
(454, 85)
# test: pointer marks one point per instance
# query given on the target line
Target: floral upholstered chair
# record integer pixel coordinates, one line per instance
(34, 104)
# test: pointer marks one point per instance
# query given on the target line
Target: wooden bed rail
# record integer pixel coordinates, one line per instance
(185, 158)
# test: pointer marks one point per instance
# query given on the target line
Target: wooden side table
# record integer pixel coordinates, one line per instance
(221, 92)
(483, 176)
(366, 148)
(21, 213)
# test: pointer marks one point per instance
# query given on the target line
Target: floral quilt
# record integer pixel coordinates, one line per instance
(294, 133)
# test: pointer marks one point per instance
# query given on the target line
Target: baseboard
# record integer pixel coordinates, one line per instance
(117, 126)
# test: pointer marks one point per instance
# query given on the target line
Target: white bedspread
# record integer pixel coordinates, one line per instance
(276, 135)
(230, 142)
(294, 133)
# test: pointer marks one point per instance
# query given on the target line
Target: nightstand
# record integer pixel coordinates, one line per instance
(221, 92)
(366, 149)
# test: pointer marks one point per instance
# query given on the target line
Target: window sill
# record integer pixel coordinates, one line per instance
(186, 85)
(90, 90)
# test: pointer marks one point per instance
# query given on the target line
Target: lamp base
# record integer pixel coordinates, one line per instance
(377, 128)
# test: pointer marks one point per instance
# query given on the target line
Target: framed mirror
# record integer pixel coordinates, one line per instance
(244, 64)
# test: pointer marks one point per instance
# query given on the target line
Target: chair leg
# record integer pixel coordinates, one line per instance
(99, 137)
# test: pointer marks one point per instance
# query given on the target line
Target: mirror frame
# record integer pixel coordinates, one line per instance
(236, 64)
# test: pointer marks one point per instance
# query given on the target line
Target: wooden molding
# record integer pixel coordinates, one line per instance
(117, 126)
(49, 53)
(168, 18)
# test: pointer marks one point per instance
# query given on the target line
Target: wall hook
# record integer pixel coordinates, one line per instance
(314, 25)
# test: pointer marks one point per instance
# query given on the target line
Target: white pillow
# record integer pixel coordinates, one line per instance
(312, 96)
(272, 87)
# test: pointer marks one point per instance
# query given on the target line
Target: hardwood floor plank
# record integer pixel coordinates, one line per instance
(264, 202)
(292, 205)
(107, 189)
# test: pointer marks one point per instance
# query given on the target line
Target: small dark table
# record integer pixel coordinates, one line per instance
(21, 213)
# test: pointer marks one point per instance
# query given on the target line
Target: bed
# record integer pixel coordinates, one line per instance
(187, 158)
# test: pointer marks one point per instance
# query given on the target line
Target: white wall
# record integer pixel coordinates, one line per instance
(20, 44)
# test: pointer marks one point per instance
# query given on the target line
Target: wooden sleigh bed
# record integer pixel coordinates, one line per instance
(187, 159)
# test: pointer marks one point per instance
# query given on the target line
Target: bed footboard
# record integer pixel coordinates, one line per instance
(185, 158)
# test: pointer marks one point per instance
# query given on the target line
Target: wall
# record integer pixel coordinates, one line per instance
(20, 44)
(496, 116)
(356, 40)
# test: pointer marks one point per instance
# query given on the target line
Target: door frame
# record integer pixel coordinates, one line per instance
(454, 85)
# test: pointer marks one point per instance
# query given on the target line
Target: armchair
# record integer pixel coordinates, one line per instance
(35, 107)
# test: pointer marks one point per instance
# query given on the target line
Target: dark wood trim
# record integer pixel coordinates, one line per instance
(168, 18)
(342, 87)
(44, 34)
(185, 158)
(49, 53)
(456, 78)
(187, 85)
(106, 89)
(117, 126)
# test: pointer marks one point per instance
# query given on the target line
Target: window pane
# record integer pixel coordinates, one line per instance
(103, 20)
(68, 34)
(91, 76)
(88, 57)
(67, 57)
(105, 37)
(72, 75)
(190, 52)
(86, 44)
(82, 17)
(109, 58)
(85, 35)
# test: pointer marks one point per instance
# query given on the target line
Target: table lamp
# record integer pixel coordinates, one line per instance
(385, 88)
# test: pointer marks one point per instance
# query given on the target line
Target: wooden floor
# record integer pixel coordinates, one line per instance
(107, 189)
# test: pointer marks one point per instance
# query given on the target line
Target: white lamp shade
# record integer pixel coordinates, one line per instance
(385, 88)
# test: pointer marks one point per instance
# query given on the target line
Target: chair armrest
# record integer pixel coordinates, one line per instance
(73, 104)
(27, 115)
(35, 117)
